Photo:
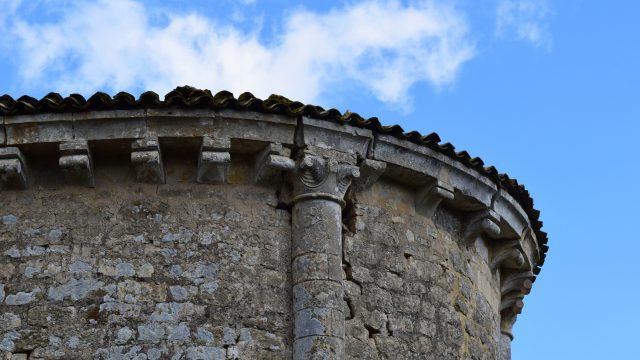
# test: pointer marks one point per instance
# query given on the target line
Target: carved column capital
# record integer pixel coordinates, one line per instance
(322, 177)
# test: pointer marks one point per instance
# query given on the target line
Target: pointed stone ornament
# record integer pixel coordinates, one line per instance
(13, 169)
(146, 157)
(76, 162)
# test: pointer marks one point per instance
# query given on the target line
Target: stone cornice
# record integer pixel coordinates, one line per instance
(410, 163)
(517, 245)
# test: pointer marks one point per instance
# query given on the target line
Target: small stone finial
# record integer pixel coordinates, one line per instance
(147, 159)
(214, 160)
(370, 172)
(271, 161)
(76, 162)
(13, 169)
(429, 198)
(481, 222)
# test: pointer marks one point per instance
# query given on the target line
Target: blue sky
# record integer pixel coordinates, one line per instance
(545, 90)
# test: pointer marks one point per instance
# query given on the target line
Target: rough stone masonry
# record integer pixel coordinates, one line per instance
(209, 227)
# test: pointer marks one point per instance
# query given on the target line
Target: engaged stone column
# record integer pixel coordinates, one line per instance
(504, 345)
(319, 188)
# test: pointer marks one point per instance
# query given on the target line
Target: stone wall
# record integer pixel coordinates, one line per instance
(197, 234)
(413, 287)
(138, 272)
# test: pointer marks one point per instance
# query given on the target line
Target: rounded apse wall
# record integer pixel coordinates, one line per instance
(209, 227)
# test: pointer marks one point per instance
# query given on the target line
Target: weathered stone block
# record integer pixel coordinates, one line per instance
(271, 162)
(13, 169)
(214, 160)
(146, 157)
(76, 162)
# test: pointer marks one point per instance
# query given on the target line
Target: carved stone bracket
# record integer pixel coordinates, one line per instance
(147, 159)
(370, 171)
(514, 286)
(515, 259)
(481, 222)
(530, 247)
(271, 161)
(429, 198)
(76, 162)
(509, 254)
(516, 281)
(214, 160)
(13, 169)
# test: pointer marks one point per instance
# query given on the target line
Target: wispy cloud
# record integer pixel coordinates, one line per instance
(526, 20)
(384, 46)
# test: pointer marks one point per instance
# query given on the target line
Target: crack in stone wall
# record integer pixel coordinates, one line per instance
(413, 293)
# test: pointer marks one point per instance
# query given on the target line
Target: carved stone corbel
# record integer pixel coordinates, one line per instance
(370, 172)
(76, 162)
(509, 253)
(429, 198)
(530, 247)
(214, 160)
(147, 159)
(516, 281)
(271, 161)
(514, 285)
(513, 288)
(481, 222)
(515, 259)
(13, 169)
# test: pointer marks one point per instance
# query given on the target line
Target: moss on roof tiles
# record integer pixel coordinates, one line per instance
(189, 97)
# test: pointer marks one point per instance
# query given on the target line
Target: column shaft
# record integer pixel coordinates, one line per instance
(321, 180)
(317, 279)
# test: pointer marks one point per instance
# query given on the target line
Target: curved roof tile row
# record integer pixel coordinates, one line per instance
(189, 97)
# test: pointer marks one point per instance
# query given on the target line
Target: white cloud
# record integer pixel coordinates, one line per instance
(384, 46)
(525, 19)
